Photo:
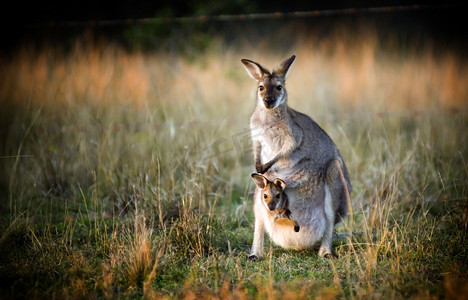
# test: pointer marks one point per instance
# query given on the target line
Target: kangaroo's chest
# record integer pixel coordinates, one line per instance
(273, 139)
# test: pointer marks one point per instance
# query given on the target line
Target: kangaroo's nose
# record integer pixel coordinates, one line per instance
(272, 206)
(269, 101)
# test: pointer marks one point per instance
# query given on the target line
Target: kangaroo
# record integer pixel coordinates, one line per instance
(275, 201)
(290, 145)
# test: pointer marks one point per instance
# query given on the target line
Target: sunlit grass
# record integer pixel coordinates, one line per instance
(127, 174)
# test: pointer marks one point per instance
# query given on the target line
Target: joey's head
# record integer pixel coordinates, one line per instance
(272, 191)
(270, 85)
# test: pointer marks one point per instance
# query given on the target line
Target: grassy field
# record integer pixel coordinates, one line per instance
(126, 174)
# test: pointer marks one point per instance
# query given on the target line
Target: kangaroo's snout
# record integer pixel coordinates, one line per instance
(269, 102)
(272, 206)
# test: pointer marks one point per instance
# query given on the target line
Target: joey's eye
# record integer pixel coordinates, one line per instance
(265, 196)
(279, 87)
(261, 87)
(277, 196)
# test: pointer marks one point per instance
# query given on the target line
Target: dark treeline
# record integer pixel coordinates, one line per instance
(39, 23)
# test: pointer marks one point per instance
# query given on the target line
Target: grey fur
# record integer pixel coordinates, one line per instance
(291, 146)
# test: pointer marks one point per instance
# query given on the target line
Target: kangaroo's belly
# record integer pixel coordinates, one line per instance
(307, 237)
(308, 212)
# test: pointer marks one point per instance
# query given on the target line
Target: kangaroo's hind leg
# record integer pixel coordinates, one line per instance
(257, 245)
(326, 249)
(335, 205)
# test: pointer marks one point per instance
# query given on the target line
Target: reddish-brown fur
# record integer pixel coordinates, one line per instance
(275, 200)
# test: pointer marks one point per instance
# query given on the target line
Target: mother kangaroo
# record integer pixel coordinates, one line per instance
(291, 146)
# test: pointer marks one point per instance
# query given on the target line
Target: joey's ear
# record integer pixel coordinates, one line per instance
(280, 183)
(260, 180)
(283, 69)
(254, 69)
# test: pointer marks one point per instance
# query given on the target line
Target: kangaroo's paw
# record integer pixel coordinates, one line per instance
(259, 169)
(262, 168)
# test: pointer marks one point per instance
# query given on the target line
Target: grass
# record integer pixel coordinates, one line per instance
(126, 175)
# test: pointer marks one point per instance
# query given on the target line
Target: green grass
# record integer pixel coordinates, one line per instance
(126, 175)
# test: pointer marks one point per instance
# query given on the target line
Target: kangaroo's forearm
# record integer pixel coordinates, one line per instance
(258, 155)
(258, 159)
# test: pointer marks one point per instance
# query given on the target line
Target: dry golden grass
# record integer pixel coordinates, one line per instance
(349, 71)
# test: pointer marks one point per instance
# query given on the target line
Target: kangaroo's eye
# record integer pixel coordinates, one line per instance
(277, 196)
(279, 87)
(261, 87)
(265, 196)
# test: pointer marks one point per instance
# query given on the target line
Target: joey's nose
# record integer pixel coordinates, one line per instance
(272, 206)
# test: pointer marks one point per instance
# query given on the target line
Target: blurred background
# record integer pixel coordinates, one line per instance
(355, 50)
(174, 65)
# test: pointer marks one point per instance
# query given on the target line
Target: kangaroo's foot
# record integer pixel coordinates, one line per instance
(327, 252)
(288, 222)
(296, 228)
(255, 257)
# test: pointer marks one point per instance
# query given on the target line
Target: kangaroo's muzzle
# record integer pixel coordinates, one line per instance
(272, 206)
(269, 102)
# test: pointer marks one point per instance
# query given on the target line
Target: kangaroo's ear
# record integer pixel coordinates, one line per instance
(260, 180)
(254, 69)
(280, 183)
(283, 69)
